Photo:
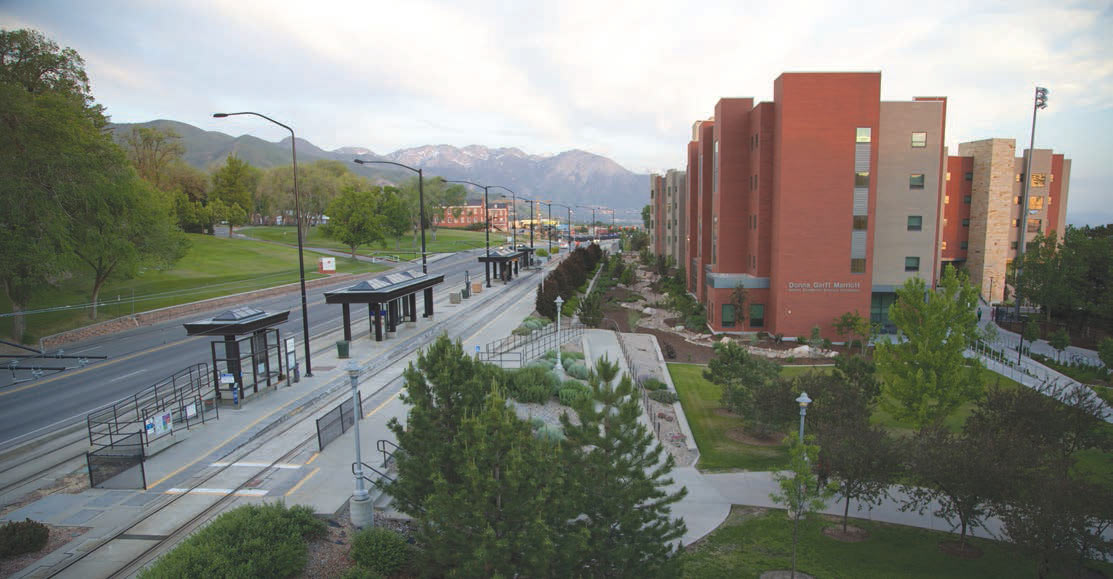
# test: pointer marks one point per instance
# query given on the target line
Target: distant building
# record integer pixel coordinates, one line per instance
(465, 215)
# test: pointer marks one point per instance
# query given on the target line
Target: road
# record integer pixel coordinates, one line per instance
(138, 358)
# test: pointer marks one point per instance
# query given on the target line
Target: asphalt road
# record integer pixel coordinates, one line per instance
(141, 357)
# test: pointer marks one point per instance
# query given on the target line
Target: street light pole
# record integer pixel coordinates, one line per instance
(1040, 102)
(486, 220)
(420, 200)
(803, 401)
(362, 511)
(297, 209)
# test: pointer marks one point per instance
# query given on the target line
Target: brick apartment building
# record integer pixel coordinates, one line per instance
(465, 215)
(667, 206)
(824, 201)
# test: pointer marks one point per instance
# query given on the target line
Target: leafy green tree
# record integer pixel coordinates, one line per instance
(1105, 352)
(1060, 340)
(851, 325)
(739, 373)
(153, 151)
(591, 310)
(647, 216)
(926, 374)
(395, 214)
(800, 491)
(123, 226)
(439, 196)
(234, 184)
(623, 505)
(355, 219)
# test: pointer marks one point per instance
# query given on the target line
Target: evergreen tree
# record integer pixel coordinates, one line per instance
(623, 505)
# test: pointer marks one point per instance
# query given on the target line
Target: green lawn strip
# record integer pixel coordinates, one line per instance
(710, 425)
(448, 240)
(751, 542)
(212, 267)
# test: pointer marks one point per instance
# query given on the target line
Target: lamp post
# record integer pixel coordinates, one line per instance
(549, 205)
(1040, 102)
(486, 218)
(420, 200)
(803, 401)
(297, 209)
(559, 367)
(569, 224)
(513, 205)
(362, 511)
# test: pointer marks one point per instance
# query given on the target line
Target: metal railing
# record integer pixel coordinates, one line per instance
(337, 421)
(377, 482)
(187, 396)
(388, 455)
(523, 349)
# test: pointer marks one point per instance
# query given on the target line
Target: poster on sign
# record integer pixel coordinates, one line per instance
(191, 410)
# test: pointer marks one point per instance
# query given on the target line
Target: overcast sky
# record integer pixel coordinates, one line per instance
(621, 79)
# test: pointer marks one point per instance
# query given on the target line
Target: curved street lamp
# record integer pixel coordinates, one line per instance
(297, 209)
(420, 200)
(486, 219)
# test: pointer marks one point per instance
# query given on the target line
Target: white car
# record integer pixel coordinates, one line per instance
(564, 245)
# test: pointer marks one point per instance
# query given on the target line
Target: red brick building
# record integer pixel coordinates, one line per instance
(465, 215)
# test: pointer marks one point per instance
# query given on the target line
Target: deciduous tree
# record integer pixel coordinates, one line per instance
(800, 491)
(851, 325)
(153, 151)
(355, 219)
(925, 372)
(234, 184)
(739, 373)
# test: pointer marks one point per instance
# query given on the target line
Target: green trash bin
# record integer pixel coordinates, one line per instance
(342, 349)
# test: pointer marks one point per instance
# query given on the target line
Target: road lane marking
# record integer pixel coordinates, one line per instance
(302, 481)
(257, 464)
(209, 491)
(312, 458)
(385, 402)
(128, 375)
(104, 364)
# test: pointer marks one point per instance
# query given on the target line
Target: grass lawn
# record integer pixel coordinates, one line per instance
(212, 267)
(701, 402)
(448, 240)
(957, 418)
(752, 541)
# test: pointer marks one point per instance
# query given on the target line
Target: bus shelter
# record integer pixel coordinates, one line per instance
(251, 339)
(391, 299)
(503, 262)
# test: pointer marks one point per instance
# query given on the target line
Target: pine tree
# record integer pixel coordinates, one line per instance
(621, 479)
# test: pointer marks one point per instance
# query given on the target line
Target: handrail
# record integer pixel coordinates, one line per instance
(381, 446)
(381, 474)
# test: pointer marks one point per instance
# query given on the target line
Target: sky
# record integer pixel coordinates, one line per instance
(620, 79)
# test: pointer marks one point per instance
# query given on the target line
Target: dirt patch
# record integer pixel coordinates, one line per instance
(739, 434)
(59, 536)
(684, 350)
(955, 549)
(852, 534)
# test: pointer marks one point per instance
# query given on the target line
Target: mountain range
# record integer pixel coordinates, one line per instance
(572, 177)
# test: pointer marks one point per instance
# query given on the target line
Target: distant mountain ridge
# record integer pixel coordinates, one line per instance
(571, 177)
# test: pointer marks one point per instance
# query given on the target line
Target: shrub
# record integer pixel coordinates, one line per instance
(670, 352)
(380, 550)
(569, 396)
(577, 370)
(19, 537)
(696, 322)
(663, 396)
(266, 540)
(542, 252)
(778, 338)
(826, 344)
(653, 384)
(474, 226)
(571, 356)
(801, 340)
(591, 310)
(550, 433)
(532, 384)
(522, 331)
(546, 363)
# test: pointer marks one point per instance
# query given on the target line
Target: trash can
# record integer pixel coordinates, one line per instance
(342, 349)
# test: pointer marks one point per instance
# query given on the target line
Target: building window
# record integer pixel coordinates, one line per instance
(943, 245)
(857, 265)
(728, 315)
(757, 315)
(1013, 245)
(946, 199)
(916, 181)
(911, 264)
(915, 222)
(863, 135)
(1035, 203)
(970, 176)
(1016, 223)
(964, 245)
(861, 222)
(919, 140)
(966, 199)
(1039, 179)
(1033, 226)
(966, 223)
(948, 175)
(1016, 199)
(862, 180)
(715, 169)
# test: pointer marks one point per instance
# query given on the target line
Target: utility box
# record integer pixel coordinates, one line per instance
(326, 265)
(476, 287)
